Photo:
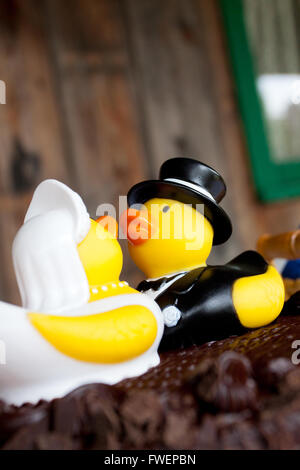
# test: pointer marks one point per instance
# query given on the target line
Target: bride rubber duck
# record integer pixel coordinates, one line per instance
(79, 324)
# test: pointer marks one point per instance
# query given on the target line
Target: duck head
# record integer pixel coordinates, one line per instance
(102, 259)
(100, 252)
(167, 237)
(181, 218)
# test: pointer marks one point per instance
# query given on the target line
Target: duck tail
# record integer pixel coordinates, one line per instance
(259, 299)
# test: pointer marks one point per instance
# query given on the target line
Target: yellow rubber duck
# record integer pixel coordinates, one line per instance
(79, 323)
(119, 334)
(170, 239)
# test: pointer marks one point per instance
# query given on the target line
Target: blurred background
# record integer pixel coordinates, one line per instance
(100, 92)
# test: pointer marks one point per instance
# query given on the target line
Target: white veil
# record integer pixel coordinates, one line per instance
(49, 272)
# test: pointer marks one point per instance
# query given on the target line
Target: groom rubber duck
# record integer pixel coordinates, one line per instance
(170, 239)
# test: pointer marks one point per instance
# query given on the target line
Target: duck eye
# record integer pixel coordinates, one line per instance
(166, 208)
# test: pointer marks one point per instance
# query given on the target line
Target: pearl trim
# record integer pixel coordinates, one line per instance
(106, 287)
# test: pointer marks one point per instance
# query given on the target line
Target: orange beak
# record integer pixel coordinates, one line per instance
(137, 226)
(109, 223)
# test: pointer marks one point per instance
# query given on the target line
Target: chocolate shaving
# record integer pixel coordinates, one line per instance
(54, 441)
(271, 374)
(142, 415)
(226, 383)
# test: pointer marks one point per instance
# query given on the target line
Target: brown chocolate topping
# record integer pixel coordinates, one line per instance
(226, 383)
(259, 346)
(238, 393)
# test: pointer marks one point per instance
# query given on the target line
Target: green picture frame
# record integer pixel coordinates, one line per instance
(273, 181)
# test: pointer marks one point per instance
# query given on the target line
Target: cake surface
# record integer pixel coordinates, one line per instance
(238, 393)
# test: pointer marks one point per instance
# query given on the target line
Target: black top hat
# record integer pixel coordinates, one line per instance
(191, 182)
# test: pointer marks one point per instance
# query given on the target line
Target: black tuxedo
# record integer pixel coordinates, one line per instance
(204, 298)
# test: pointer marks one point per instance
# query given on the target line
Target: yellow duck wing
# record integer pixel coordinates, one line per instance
(106, 331)
(259, 299)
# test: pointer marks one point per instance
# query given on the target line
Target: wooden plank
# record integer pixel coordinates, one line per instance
(30, 115)
(98, 99)
(11, 222)
(12, 211)
(170, 65)
(29, 121)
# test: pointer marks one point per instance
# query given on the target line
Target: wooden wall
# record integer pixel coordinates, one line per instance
(101, 92)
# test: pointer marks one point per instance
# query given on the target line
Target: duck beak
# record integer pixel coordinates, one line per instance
(137, 226)
(110, 224)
